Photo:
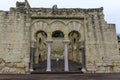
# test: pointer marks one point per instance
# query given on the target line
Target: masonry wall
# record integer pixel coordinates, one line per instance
(111, 45)
(101, 46)
(94, 42)
(12, 44)
(102, 54)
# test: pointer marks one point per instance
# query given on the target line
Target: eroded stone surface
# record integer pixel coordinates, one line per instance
(85, 28)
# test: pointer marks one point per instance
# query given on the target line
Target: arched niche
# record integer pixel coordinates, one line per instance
(74, 36)
(38, 26)
(74, 53)
(74, 25)
(56, 26)
(43, 33)
(40, 49)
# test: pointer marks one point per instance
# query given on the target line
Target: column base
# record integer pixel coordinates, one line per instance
(66, 70)
(31, 70)
(83, 70)
(48, 70)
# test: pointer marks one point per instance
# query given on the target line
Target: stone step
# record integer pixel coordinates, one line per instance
(67, 72)
(48, 76)
(57, 66)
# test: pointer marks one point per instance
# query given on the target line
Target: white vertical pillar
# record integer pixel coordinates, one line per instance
(48, 55)
(66, 65)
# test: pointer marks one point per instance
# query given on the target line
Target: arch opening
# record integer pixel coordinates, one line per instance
(40, 48)
(57, 34)
(43, 33)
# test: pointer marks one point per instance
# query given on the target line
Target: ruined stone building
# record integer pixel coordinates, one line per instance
(57, 40)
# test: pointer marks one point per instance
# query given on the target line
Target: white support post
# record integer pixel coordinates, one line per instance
(48, 55)
(66, 65)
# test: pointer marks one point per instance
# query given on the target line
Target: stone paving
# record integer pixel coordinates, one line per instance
(88, 76)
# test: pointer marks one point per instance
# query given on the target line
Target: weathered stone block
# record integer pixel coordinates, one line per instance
(20, 65)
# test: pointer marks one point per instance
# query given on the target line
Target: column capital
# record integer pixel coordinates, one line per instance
(66, 41)
(49, 37)
(49, 41)
(66, 37)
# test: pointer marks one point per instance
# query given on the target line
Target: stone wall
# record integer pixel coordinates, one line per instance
(102, 54)
(19, 26)
(12, 44)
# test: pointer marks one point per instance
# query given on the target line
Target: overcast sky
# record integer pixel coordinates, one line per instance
(111, 7)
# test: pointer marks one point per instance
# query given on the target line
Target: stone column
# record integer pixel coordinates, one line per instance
(83, 60)
(66, 65)
(32, 50)
(48, 42)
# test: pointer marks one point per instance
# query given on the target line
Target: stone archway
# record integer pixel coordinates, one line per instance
(52, 47)
(74, 51)
(57, 57)
(40, 51)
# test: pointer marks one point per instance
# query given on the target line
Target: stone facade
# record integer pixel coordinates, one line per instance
(119, 44)
(83, 28)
